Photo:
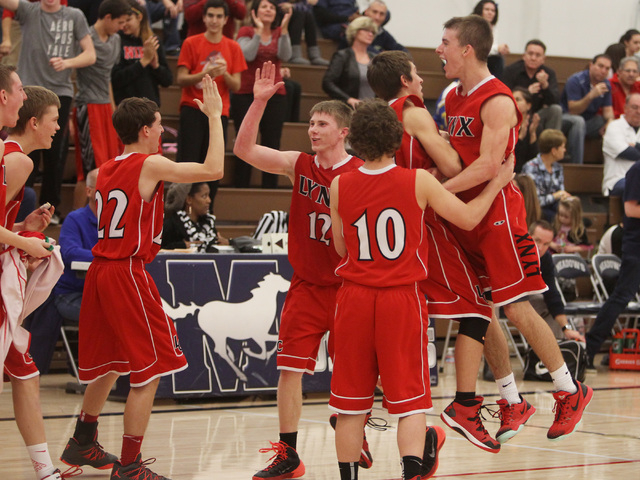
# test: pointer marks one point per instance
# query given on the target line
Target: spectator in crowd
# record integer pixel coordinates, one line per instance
(527, 187)
(346, 77)
(621, 147)
(440, 115)
(187, 220)
(383, 41)
(78, 235)
(547, 173)
(47, 60)
(143, 67)
(488, 9)
(549, 304)
(88, 7)
(586, 103)
(571, 232)
(267, 40)
(629, 278)
(12, 36)
(628, 46)
(541, 82)
(527, 146)
(94, 133)
(302, 19)
(166, 11)
(333, 17)
(209, 53)
(194, 13)
(624, 82)
(293, 95)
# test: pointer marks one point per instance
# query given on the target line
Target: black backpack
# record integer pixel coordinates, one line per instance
(574, 354)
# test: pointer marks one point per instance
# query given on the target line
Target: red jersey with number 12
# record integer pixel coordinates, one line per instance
(465, 125)
(383, 228)
(128, 226)
(311, 251)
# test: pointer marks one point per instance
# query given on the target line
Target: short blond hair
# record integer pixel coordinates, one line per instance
(360, 23)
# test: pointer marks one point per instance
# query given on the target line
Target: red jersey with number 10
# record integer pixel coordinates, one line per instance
(311, 251)
(465, 125)
(128, 226)
(383, 228)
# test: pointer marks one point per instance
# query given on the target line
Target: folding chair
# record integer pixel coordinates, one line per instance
(573, 266)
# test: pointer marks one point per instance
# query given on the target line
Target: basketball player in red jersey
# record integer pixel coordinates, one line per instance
(483, 123)
(309, 307)
(378, 228)
(37, 122)
(452, 288)
(123, 328)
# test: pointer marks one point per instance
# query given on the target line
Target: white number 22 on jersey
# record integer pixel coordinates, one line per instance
(121, 205)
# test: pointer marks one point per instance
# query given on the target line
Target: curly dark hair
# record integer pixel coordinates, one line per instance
(375, 130)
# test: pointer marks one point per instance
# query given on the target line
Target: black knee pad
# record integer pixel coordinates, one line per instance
(474, 327)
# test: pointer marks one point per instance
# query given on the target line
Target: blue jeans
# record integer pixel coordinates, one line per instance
(576, 128)
(157, 11)
(68, 305)
(618, 189)
(625, 290)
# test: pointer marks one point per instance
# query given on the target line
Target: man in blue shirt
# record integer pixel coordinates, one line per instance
(586, 105)
(78, 235)
(333, 16)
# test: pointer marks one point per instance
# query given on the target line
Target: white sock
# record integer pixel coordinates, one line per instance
(508, 389)
(562, 380)
(41, 460)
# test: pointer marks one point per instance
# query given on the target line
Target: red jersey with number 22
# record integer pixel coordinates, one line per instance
(128, 226)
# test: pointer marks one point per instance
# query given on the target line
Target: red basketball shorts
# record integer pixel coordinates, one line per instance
(380, 331)
(19, 365)
(452, 287)
(96, 139)
(307, 315)
(123, 328)
(502, 252)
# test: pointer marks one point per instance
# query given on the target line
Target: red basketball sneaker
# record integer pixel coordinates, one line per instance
(512, 418)
(569, 409)
(467, 422)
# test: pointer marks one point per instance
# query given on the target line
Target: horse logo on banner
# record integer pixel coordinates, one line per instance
(251, 320)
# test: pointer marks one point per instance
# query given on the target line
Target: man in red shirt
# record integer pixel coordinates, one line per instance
(208, 53)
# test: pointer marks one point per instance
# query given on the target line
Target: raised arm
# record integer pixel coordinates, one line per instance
(10, 4)
(157, 167)
(336, 221)
(464, 215)
(246, 146)
(418, 123)
(498, 116)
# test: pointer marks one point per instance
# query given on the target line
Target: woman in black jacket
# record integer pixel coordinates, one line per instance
(346, 76)
(143, 67)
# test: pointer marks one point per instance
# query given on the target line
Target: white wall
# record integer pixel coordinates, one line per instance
(566, 33)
